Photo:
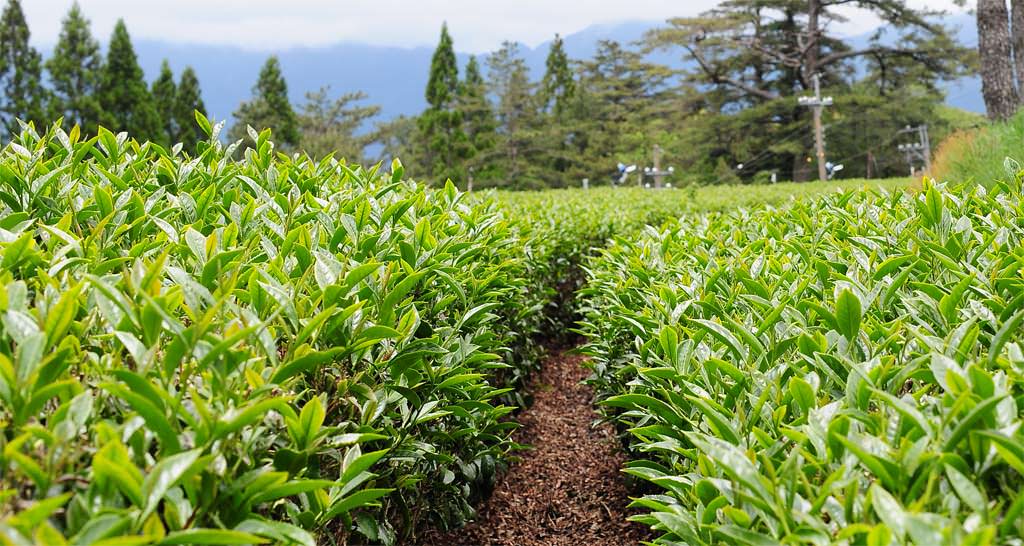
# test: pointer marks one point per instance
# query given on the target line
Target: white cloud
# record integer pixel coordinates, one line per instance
(476, 25)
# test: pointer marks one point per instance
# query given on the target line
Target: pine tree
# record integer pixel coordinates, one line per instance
(269, 108)
(444, 73)
(623, 96)
(478, 123)
(558, 86)
(20, 71)
(332, 126)
(188, 101)
(124, 97)
(74, 72)
(165, 100)
(749, 59)
(1017, 39)
(519, 142)
(556, 95)
(441, 123)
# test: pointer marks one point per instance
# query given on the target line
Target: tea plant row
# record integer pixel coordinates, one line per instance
(844, 370)
(210, 351)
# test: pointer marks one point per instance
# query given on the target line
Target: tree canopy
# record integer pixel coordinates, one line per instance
(269, 108)
(20, 71)
(75, 71)
(126, 102)
(187, 101)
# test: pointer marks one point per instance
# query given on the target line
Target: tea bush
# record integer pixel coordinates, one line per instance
(840, 370)
(562, 228)
(210, 351)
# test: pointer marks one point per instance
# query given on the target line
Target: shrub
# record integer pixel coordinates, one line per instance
(840, 370)
(209, 351)
(978, 155)
(952, 152)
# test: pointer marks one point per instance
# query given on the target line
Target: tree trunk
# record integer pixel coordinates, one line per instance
(1017, 38)
(997, 85)
(813, 41)
(801, 168)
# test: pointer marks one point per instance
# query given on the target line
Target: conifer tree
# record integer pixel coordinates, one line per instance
(625, 93)
(332, 125)
(478, 122)
(74, 72)
(556, 95)
(558, 86)
(995, 48)
(749, 59)
(165, 99)
(20, 71)
(188, 101)
(519, 129)
(124, 97)
(441, 123)
(268, 108)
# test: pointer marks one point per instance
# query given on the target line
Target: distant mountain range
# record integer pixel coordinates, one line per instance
(395, 78)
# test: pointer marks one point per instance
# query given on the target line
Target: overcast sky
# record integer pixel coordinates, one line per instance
(476, 25)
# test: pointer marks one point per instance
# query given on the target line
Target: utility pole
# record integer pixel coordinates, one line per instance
(818, 103)
(927, 148)
(655, 172)
(920, 150)
(656, 153)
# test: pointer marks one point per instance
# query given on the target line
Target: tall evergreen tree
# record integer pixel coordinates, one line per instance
(124, 97)
(1017, 39)
(187, 102)
(333, 125)
(20, 71)
(519, 137)
(624, 96)
(269, 108)
(556, 94)
(478, 123)
(750, 58)
(165, 99)
(74, 72)
(441, 123)
(558, 86)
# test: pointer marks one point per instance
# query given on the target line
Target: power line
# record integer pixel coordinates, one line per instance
(787, 137)
(818, 103)
(922, 149)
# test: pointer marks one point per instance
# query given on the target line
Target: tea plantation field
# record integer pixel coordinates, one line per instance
(196, 349)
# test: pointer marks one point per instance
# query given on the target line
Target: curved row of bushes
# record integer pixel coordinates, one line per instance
(210, 351)
(843, 370)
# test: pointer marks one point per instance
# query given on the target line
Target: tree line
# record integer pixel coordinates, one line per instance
(88, 90)
(729, 115)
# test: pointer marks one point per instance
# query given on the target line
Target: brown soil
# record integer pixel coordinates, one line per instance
(568, 489)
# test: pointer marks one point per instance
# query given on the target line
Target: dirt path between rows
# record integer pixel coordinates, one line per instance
(568, 489)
